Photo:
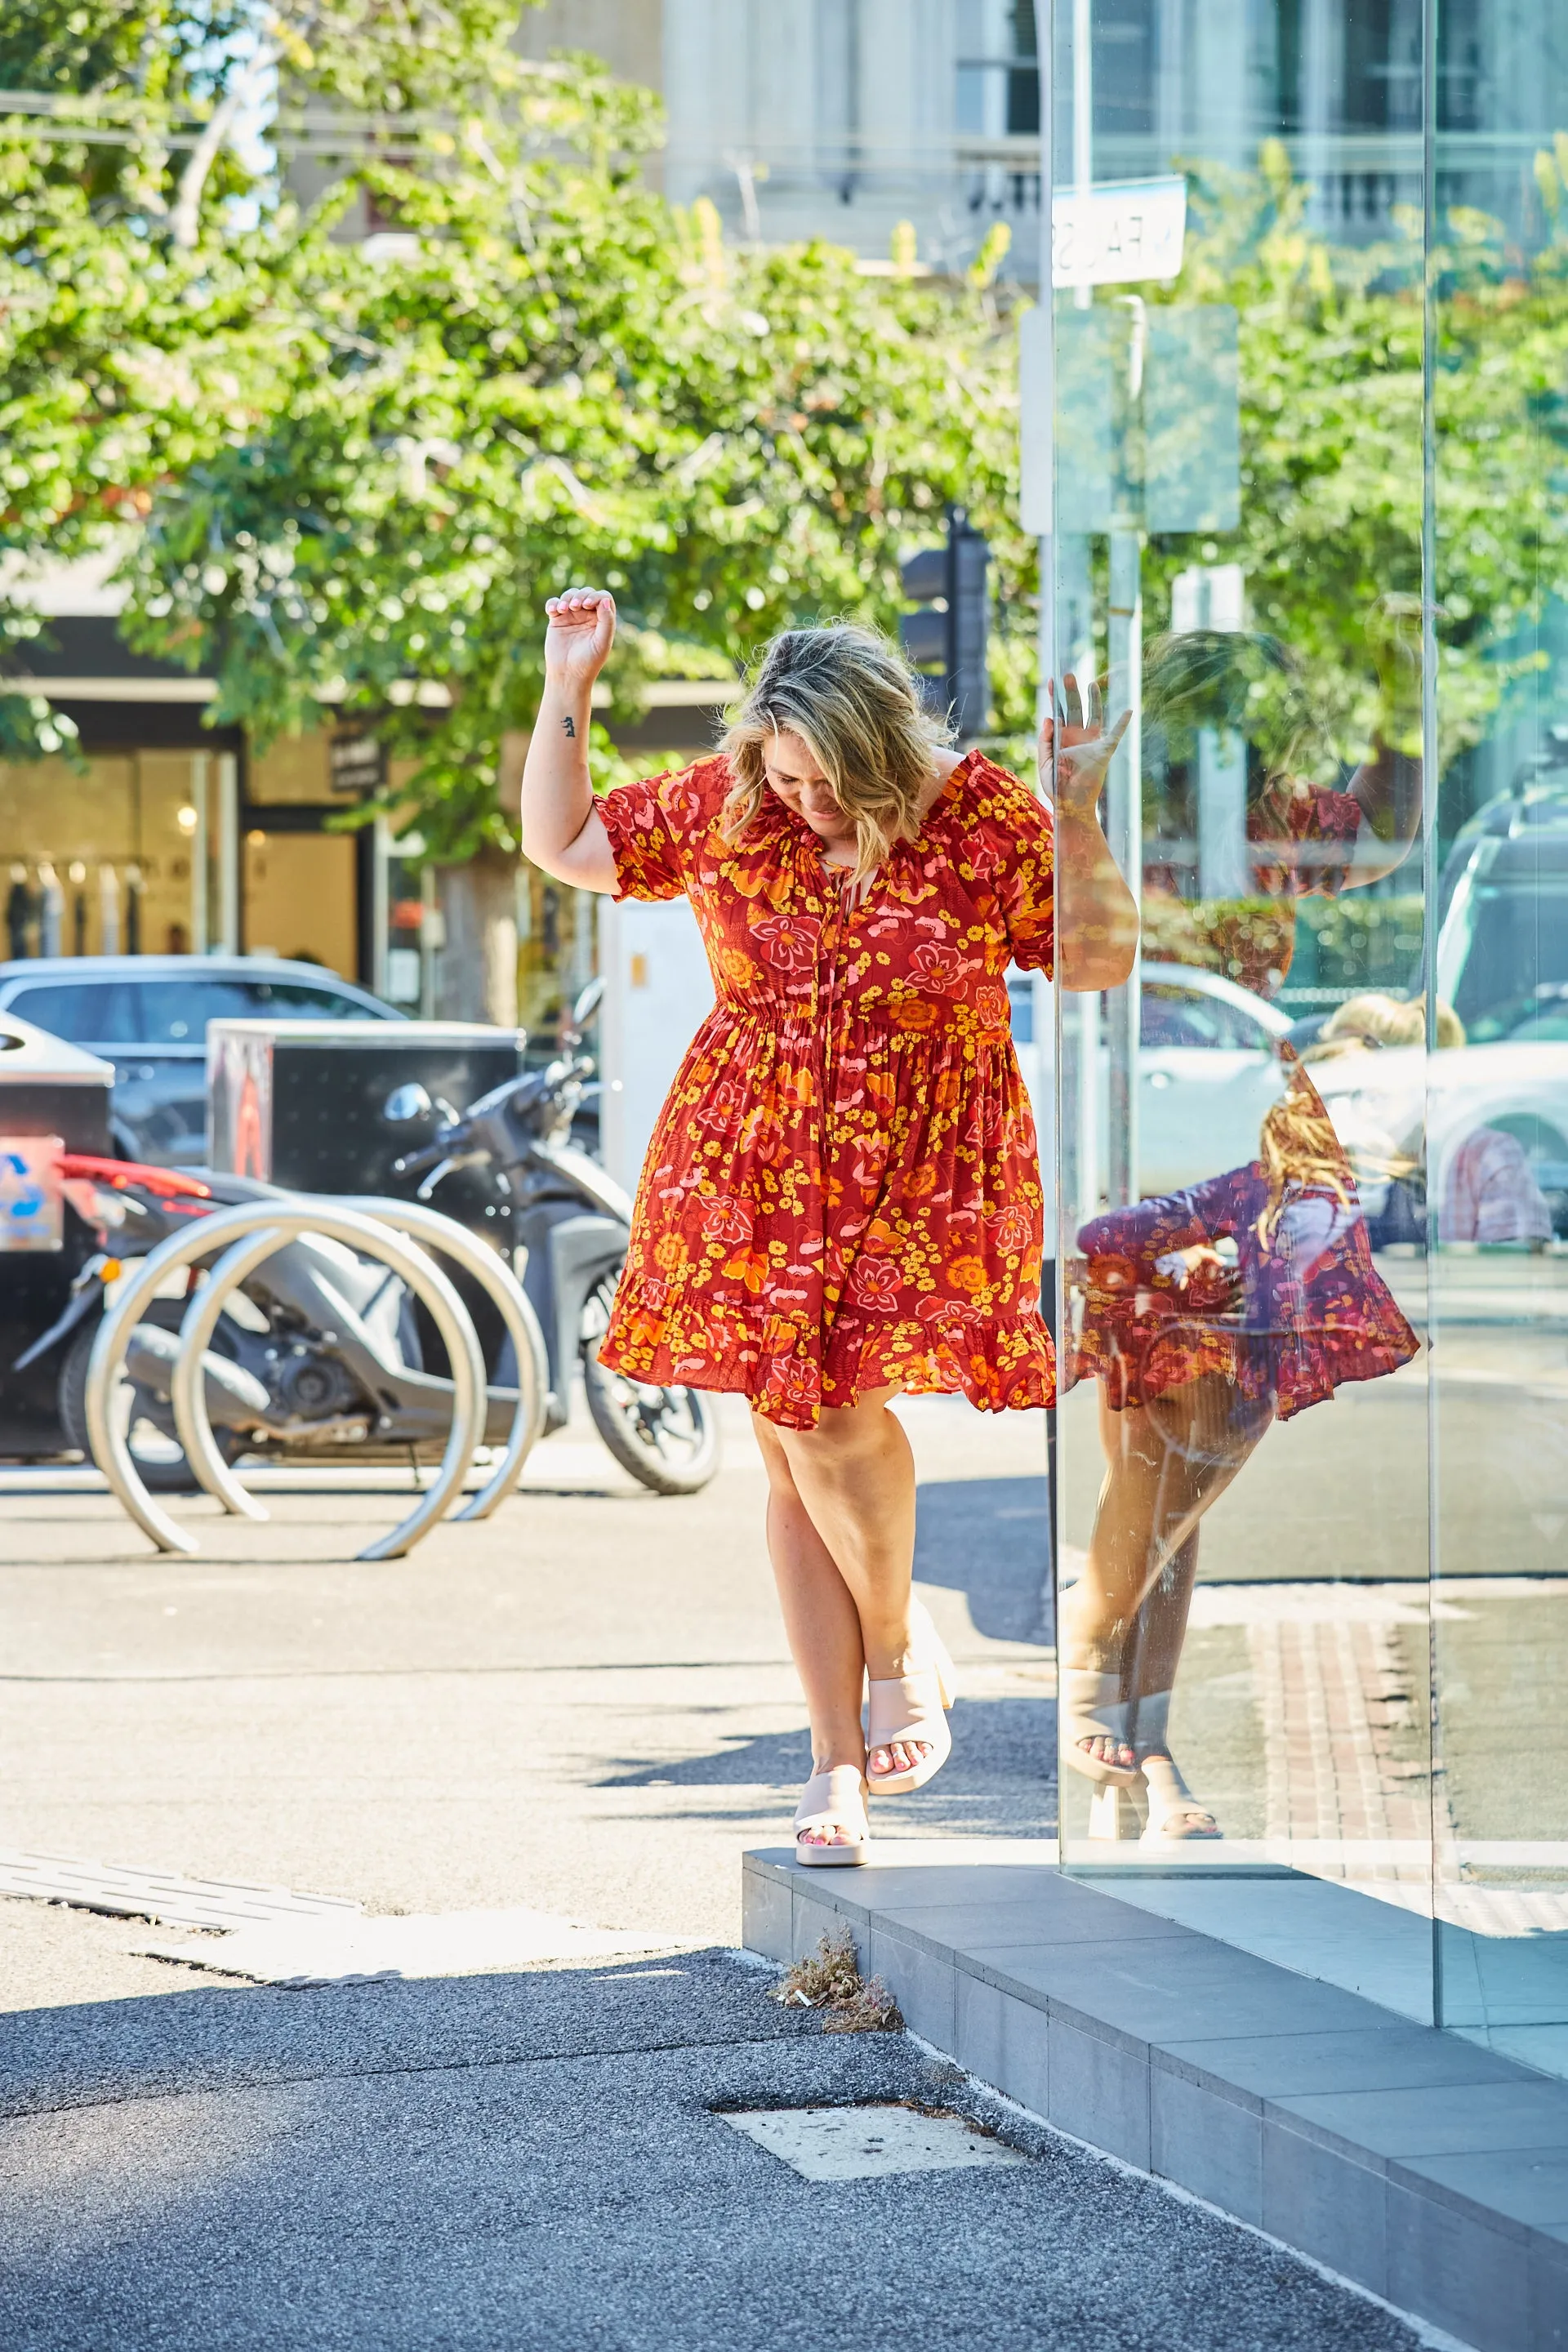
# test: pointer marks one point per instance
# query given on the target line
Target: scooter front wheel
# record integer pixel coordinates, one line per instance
(159, 1457)
(668, 1438)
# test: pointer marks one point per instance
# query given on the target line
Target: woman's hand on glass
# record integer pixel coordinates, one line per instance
(1082, 752)
(579, 631)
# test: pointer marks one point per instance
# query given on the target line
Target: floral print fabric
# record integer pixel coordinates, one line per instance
(843, 1191)
(1304, 1308)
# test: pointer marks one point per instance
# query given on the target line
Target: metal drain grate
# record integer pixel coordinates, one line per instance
(866, 2143)
(132, 1891)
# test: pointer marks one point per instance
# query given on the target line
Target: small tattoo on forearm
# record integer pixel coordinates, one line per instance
(570, 724)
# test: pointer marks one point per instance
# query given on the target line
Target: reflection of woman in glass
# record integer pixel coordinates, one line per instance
(1487, 1189)
(1208, 1313)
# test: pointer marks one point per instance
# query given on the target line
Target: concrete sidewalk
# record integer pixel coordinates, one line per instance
(535, 2161)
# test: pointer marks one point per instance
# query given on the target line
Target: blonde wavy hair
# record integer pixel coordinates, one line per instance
(855, 702)
(1378, 1020)
(1299, 1149)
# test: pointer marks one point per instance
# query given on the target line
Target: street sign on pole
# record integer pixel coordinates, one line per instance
(1121, 233)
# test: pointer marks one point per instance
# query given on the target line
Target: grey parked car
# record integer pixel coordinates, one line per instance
(148, 1014)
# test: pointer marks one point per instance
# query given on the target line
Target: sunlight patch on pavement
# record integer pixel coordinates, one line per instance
(431, 1943)
(273, 1935)
(867, 2143)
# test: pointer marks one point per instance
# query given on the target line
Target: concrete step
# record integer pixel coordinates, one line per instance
(1430, 2170)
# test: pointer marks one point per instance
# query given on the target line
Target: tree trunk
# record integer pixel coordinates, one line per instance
(476, 977)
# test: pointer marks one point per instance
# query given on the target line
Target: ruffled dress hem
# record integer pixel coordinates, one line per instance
(1289, 1369)
(1001, 1364)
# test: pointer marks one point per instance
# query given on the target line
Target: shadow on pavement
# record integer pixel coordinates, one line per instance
(999, 1781)
(986, 1537)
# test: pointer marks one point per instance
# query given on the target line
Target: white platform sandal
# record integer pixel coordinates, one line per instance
(1092, 1707)
(833, 1800)
(1174, 1813)
(912, 1707)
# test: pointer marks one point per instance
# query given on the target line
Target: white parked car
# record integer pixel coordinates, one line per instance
(1401, 1102)
(1207, 1071)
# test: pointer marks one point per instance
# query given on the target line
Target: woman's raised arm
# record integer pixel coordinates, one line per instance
(1096, 913)
(562, 829)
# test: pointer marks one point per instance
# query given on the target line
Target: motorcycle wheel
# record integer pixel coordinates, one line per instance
(160, 1459)
(668, 1438)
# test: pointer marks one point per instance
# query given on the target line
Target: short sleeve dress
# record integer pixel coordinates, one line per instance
(843, 1191)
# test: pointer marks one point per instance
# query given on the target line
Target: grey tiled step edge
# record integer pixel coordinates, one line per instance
(1433, 2172)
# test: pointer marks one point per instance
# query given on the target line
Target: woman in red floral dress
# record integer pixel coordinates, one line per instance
(842, 1199)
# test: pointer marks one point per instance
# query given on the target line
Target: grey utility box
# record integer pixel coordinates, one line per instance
(303, 1102)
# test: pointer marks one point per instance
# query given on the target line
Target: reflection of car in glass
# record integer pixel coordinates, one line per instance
(1207, 1071)
(1208, 1074)
(1385, 1103)
(148, 1014)
(1502, 941)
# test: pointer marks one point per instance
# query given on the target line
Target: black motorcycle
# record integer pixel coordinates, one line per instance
(568, 1224)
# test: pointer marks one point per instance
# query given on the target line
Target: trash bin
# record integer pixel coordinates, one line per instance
(53, 1098)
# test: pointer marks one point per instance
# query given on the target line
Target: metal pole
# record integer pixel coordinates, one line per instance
(1124, 789)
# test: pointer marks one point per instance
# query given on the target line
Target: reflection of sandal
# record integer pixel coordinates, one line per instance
(833, 1800)
(1173, 1811)
(909, 1708)
(1094, 1708)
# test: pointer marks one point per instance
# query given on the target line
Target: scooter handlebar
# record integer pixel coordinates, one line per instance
(414, 1163)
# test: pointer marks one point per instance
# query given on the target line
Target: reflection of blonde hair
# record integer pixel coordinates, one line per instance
(856, 703)
(1375, 1019)
(1298, 1146)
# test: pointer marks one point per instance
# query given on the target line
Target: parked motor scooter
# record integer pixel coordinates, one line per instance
(320, 1354)
(116, 1213)
(570, 1224)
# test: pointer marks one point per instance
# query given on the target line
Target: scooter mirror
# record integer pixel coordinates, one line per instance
(587, 1004)
(404, 1103)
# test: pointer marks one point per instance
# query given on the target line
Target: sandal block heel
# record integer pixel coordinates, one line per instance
(913, 1708)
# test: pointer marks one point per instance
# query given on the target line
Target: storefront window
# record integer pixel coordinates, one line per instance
(124, 855)
(1308, 504)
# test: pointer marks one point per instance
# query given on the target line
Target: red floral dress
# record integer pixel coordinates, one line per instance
(843, 1191)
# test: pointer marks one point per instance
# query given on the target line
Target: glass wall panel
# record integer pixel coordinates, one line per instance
(1498, 1086)
(1237, 560)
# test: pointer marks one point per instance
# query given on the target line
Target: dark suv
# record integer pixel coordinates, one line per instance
(148, 1014)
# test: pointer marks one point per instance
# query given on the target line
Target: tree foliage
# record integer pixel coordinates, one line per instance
(554, 376)
(356, 468)
(1332, 348)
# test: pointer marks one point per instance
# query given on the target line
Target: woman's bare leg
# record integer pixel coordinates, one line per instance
(821, 1621)
(853, 1477)
(1165, 1463)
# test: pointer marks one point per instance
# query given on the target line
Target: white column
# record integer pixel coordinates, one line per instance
(200, 840)
(225, 826)
(1223, 871)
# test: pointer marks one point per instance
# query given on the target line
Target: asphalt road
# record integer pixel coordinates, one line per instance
(584, 1705)
(536, 2162)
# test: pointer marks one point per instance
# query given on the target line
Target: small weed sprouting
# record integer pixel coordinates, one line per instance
(832, 1982)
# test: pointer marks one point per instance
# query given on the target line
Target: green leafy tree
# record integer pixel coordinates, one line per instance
(145, 302)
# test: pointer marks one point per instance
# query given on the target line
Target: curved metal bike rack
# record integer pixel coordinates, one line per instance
(256, 1229)
(424, 1226)
(495, 1276)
